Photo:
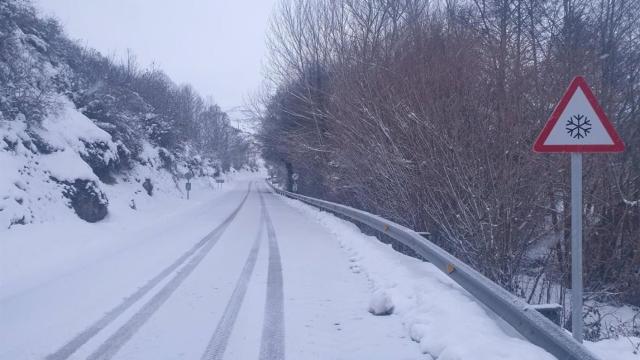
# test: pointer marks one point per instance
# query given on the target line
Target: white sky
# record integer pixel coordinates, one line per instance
(218, 46)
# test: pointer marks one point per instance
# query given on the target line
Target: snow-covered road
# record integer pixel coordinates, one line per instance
(261, 282)
(238, 273)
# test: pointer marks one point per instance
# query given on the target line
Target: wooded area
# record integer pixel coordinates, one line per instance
(426, 113)
(38, 63)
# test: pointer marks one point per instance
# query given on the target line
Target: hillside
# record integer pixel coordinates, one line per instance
(80, 132)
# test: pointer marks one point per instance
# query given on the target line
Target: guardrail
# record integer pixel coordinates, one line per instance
(534, 326)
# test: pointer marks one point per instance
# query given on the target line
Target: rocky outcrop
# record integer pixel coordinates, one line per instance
(87, 200)
(102, 161)
(148, 186)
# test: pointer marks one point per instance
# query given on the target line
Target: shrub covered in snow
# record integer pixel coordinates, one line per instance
(435, 132)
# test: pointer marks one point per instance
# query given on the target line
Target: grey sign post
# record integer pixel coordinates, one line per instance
(577, 125)
(576, 246)
(295, 178)
(187, 186)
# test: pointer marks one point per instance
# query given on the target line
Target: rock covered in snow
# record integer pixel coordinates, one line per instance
(87, 200)
(381, 303)
(148, 186)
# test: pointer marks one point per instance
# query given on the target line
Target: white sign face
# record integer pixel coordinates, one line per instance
(579, 125)
(295, 176)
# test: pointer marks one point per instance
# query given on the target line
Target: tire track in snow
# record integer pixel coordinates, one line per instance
(272, 343)
(218, 343)
(205, 244)
(115, 342)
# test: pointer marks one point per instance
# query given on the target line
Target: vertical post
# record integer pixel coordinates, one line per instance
(289, 168)
(576, 246)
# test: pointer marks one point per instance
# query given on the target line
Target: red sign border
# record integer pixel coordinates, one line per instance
(578, 81)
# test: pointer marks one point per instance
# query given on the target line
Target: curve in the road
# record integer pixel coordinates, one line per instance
(115, 342)
(272, 343)
(218, 343)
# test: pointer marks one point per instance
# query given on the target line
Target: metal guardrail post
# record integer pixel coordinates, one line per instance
(523, 317)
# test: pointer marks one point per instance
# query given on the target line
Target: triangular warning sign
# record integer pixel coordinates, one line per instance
(578, 124)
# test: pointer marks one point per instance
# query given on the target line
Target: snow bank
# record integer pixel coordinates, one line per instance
(437, 313)
(39, 164)
(66, 165)
(616, 349)
(42, 165)
(69, 128)
(33, 255)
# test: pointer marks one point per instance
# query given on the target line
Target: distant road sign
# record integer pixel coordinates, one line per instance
(295, 176)
(578, 124)
(187, 186)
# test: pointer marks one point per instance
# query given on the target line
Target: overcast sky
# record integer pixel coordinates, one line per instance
(215, 45)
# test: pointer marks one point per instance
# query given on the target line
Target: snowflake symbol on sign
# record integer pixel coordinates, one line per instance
(578, 126)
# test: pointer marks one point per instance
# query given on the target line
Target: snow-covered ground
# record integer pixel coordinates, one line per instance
(60, 278)
(438, 314)
(50, 239)
(37, 253)
(279, 276)
(61, 274)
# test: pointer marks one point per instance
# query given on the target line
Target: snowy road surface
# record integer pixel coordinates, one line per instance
(236, 273)
(244, 276)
